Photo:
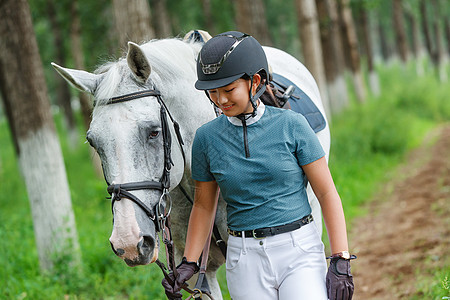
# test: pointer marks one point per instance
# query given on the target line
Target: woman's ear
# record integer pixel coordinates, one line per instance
(256, 81)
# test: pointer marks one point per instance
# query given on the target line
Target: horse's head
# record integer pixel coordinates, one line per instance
(129, 138)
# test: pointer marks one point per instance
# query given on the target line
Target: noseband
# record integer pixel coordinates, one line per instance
(118, 191)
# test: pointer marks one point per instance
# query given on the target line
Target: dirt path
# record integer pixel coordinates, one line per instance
(408, 223)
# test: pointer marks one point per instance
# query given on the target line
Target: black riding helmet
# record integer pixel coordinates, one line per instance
(226, 58)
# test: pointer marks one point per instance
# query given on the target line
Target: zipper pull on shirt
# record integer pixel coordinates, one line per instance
(244, 127)
(246, 119)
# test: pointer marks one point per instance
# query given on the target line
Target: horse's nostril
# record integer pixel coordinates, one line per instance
(146, 245)
(118, 252)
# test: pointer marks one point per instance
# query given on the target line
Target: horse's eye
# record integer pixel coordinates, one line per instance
(89, 140)
(154, 134)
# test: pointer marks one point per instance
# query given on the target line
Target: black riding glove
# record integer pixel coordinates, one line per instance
(339, 279)
(185, 271)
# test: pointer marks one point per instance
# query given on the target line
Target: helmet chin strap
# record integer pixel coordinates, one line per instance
(254, 98)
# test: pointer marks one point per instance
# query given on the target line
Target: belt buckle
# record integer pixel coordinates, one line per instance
(231, 232)
(254, 235)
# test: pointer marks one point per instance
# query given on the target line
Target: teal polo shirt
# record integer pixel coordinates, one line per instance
(269, 187)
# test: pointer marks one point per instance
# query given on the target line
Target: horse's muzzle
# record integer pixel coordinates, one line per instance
(146, 252)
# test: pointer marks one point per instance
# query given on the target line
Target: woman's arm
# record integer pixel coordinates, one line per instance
(202, 218)
(323, 186)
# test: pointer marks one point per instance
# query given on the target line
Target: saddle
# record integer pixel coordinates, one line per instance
(289, 96)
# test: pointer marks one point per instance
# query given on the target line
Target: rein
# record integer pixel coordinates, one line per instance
(160, 215)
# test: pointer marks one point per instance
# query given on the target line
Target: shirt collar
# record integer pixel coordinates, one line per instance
(259, 112)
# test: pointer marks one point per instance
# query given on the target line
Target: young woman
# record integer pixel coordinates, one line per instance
(274, 250)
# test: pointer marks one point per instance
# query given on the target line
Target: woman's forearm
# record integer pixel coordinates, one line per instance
(334, 219)
(201, 219)
(323, 186)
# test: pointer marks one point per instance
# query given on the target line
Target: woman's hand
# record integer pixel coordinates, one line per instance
(185, 271)
(339, 279)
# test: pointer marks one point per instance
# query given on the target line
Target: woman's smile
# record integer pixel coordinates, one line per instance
(227, 107)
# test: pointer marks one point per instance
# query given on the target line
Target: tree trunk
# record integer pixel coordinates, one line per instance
(85, 101)
(382, 37)
(308, 25)
(399, 28)
(39, 152)
(251, 19)
(351, 41)
(332, 54)
(132, 20)
(426, 32)
(374, 82)
(7, 106)
(447, 33)
(62, 89)
(417, 46)
(438, 34)
(160, 19)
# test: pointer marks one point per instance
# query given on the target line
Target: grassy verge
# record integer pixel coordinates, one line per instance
(368, 141)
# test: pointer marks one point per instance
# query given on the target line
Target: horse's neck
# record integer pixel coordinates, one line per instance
(190, 109)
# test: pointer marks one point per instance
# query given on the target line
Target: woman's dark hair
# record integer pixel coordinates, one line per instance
(268, 97)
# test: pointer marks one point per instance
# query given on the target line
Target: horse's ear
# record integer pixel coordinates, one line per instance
(138, 63)
(81, 80)
(201, 36)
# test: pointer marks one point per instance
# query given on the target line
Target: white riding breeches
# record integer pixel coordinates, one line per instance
(287, 266)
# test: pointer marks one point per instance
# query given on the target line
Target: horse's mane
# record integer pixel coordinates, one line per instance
(170, 60)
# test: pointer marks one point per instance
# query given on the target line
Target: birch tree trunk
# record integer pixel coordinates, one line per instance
(39, 152)
(251, 19)
(160, 19)
(132, 20)
(351, 41)
(332, 54)
(400, 32)
(308, 25)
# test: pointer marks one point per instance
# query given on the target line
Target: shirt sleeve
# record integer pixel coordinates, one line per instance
(200, 162)
(308, 147)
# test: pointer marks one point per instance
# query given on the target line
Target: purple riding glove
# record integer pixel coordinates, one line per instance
(185, 271)
(339, 279)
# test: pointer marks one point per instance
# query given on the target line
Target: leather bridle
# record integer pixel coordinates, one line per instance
(119, 191)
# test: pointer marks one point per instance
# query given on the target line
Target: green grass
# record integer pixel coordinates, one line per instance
(368, 142)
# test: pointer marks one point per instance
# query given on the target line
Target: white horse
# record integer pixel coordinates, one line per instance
(127, 136)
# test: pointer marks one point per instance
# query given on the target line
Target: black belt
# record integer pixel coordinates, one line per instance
(269, 231)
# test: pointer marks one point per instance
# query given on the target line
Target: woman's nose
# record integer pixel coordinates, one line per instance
(221, 99)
